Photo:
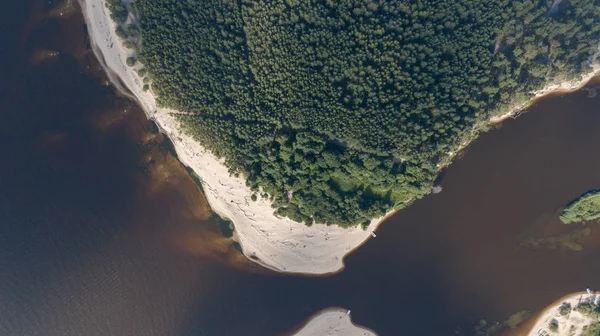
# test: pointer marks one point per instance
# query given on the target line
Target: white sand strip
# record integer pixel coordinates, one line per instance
(333, 322)
(278, 243)
(570, 324)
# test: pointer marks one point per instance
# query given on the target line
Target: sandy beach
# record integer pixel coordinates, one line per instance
(276, 243)
(569, 324)
(333, 322)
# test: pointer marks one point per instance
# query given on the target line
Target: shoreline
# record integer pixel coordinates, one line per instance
(570, 324)
(278, 244)
(550, 89)
(331, 321)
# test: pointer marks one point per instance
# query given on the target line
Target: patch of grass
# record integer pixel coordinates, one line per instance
(591, 330)
(588, 309)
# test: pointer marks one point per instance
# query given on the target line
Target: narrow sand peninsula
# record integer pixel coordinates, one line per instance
(333, 322)
(569, 324)
(276, 243)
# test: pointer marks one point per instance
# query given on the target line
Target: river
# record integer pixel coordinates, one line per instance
(103, 232)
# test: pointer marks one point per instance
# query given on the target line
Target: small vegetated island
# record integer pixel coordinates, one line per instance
(339, 111)
(585, 208)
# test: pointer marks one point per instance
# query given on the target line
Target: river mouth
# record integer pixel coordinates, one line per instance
(96, 240)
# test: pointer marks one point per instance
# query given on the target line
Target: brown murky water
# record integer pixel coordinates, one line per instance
(462, 249)
(103, 232)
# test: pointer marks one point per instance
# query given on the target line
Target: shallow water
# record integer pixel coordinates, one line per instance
(103, 232)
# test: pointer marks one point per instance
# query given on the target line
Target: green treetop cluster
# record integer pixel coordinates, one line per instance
(342, 110)
(585, 208)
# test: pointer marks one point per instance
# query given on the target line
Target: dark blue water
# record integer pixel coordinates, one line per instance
(93, 241)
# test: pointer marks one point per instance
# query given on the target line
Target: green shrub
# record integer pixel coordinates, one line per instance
(120, 32)
(130, 61)
(118, 11)
(129, 45)
(565, 309)
(589, 309)
(553, 326)
(585, 208)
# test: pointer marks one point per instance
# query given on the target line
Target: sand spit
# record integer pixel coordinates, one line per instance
(333, 322)
(276, 243)
(570, 324)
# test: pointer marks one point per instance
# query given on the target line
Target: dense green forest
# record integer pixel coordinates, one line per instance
(342, 110)
(585, 208)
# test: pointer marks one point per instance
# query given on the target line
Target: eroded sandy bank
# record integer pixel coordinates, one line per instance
(276, 243)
